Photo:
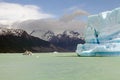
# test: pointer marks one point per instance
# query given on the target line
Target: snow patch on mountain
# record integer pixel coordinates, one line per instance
(15, 32)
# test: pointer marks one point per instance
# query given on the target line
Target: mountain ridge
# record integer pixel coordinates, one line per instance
(18, 40)
(67, 39)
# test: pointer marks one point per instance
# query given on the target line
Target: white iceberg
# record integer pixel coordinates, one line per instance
(109, 49)
(102, 35)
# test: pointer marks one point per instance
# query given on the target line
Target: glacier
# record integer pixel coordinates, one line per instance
(102, 35)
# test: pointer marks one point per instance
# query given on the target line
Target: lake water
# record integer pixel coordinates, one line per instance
(55, 66)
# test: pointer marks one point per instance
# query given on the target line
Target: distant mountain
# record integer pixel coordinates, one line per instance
(18, 40)
(67, 40)
(43, 34)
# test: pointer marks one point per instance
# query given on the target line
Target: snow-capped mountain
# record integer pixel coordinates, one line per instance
(43, 34)
(18, 40)
(67, 40)
(48, 35)
(71, 34)
(14, 32)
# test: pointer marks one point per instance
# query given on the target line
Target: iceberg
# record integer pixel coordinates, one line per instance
(102, 35)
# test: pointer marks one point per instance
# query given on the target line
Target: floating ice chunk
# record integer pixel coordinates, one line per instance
(110, 49)
(102, 35)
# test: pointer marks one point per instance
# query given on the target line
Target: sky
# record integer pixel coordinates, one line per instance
(55, 15)
(59, 7)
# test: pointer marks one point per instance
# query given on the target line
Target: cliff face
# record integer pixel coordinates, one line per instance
(17, 40)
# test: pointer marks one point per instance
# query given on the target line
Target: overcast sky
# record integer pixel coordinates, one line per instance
(55, 15)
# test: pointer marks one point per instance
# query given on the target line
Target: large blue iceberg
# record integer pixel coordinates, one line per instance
(102, 35)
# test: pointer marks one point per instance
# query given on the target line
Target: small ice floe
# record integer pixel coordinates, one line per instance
(55, 52)
(27, 53)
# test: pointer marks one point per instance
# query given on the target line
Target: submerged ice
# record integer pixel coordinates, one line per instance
(102, 35)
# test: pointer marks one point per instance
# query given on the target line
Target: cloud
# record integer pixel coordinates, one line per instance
(55, 25)
(12, 12)
(59, 25)
(31, 17)
(76, 7)
(76, 13)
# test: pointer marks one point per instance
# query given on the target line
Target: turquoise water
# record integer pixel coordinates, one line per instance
(58, 67)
